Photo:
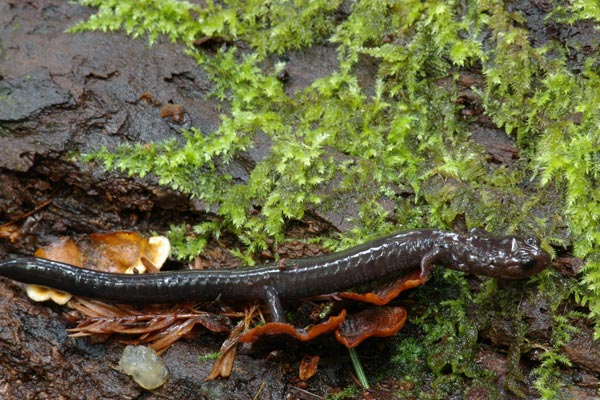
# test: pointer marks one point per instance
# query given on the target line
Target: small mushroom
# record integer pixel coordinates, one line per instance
(43, 293)
(156, 253)
(120, 252)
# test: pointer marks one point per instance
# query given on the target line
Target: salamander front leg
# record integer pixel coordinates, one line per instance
(433, 256)
(273, 302)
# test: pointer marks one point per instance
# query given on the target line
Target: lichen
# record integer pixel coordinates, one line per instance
(404, 139)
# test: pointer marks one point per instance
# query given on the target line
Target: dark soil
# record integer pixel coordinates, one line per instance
(62, 94)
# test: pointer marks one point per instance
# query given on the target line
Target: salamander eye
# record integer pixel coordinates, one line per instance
(532, 241)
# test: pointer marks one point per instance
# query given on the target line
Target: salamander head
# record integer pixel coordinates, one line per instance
(508, 257)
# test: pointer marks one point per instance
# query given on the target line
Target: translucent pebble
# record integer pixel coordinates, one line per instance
(144, 365)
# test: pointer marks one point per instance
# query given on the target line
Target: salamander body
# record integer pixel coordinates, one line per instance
(475, 252)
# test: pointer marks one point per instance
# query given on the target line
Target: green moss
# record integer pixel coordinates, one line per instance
(152, 18)
(405, 135)
(409, 358)
(445, 356)
(209, 357)
(350, 392)
(556, 293)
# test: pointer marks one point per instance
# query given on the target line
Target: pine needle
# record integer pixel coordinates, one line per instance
(358, 369)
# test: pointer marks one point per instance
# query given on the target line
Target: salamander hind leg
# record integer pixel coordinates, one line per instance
(436, 255)
(279, 326)
(273, 303)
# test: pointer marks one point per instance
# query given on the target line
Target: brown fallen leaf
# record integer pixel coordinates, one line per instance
(308, 367)
(224, 364)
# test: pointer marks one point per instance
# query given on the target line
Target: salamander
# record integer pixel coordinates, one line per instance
(474, 252)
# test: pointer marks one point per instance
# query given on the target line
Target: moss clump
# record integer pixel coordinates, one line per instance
(444, 358)
(405, 134)
(408, 133)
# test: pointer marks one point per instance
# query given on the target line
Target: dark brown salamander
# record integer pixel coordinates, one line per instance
(476, 252)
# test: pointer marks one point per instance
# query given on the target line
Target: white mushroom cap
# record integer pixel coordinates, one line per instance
(157, 252)
(43, 293)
